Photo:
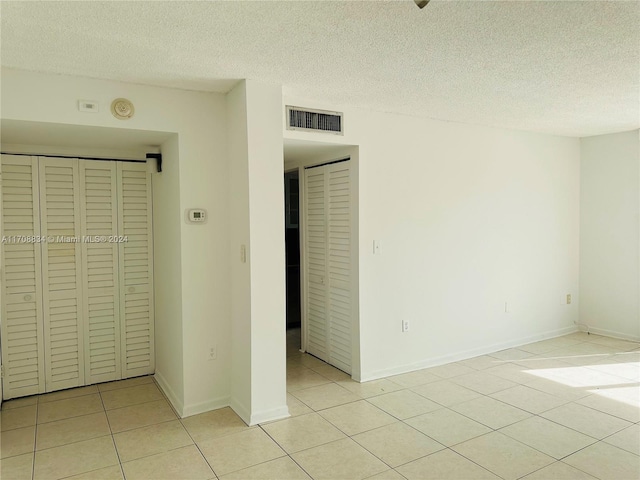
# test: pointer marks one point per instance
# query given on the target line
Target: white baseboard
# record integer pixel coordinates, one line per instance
(609, 333)
(259, 417)
(270, 415)
(213, 404)
(242, 411)
(169, 393)
(220, 402)
(463, 355)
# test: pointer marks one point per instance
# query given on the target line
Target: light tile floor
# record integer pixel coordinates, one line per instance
(565, 408)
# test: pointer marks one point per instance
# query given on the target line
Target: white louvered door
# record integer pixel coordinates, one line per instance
(136, 269)
(339, 264)
(62, 273)
(328, 262)
(22, 334)
(315, 262)
(101, 295)
(77, 273)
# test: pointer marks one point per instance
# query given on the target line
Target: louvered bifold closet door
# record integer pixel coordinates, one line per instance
(62, 273)
(136, 268)
(22, 334)
(315, 262)
(339, 265)
(101, 300)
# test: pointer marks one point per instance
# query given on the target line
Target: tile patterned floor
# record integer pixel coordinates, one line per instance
(565, 408)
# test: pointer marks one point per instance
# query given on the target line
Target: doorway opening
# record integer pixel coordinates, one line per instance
(292, 256)
(321, 257)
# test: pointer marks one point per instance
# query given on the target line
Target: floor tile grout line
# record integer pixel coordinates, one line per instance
(73, 442)
(35, 444)
(577, 468)
(286, 453)
(67, 398)
(314, 446)
(204, 457)
(615, 433)
(113, 440)
(537, 470)
(536, 449)
(575, 430)
(195, 443)
(84, 473)
(606, 413)
(153, 382)
(369, 451)
(473, 461)
(67, 418)
(138, 404)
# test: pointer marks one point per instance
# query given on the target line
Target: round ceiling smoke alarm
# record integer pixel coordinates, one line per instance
(122, 109)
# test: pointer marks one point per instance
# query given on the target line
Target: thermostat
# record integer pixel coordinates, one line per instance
(197, 215)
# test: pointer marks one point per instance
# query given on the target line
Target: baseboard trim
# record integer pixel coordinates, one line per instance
(610, 333)
(270, 415)
(240, 410)
(464, 355)
(249, 418)
(177, 404)
(213, 404)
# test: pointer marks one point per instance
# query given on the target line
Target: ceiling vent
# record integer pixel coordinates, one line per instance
(309, 120)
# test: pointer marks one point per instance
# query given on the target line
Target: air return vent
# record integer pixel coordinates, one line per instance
(314, 120)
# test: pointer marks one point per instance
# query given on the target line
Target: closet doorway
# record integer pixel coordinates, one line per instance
(328, 263)
(77, 277)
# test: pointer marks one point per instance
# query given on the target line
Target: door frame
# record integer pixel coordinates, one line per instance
(352, 156)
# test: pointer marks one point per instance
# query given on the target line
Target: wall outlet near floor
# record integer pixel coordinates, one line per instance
(213, 352)
(405, 325)
(568, 299)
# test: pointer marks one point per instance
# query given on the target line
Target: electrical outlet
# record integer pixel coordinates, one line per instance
(405, 325)
(213, 352)
(568, 299)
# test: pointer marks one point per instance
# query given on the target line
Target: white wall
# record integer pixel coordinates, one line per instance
(169, 346)
(206, 307)
(468, 218)
(191, 260)
(267, 252)
(240, 274)
(610, 234)
(258, 286)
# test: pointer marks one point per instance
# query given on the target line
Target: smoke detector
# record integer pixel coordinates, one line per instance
(122, 109)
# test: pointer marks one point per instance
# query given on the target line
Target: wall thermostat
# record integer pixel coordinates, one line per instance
(197, 215)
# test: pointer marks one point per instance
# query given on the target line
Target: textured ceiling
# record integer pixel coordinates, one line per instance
(569, 68)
